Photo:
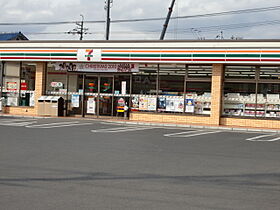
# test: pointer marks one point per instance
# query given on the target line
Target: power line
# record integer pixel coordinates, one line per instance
(232, 12)
(186, 30)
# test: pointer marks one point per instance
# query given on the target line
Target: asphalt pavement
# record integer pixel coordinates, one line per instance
(89, 164)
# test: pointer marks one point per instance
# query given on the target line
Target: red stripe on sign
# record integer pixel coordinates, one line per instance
(208, 59)
(243, 60)
(176, 59)
(270, 60)
(132, 59)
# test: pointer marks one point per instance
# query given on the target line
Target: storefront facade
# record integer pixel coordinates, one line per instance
(230, 83)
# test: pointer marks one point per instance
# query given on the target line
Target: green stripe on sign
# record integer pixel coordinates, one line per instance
(244, 55)
(208, 55)
(146, 55)
(270, 56)
(115, 55)
(176, 55)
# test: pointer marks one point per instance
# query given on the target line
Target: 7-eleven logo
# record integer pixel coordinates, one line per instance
(89, 55)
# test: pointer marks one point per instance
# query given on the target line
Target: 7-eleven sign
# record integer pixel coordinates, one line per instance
(90, 55)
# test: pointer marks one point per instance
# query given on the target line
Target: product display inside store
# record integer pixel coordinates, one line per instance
(255, 97)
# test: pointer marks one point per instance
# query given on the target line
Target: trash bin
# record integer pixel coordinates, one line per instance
(57, 106)
(48, 105)
(41, 105)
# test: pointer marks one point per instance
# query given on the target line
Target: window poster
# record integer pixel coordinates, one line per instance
(179, 105)
(170, 105)
(174, 105)
(143, 103)
(135, 103)
(75, 100)
(91, 106)
(152, 104)
(31, 100)
(161, 104)
(189, 106)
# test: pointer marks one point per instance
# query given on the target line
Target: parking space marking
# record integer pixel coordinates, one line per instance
(121, 129)
(17, 122)
(259, 138)
(59, 124)
(190, 133)
(62, 125)
(56, 123)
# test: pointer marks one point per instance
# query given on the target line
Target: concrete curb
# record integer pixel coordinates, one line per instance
(198, 127)
(159, 124)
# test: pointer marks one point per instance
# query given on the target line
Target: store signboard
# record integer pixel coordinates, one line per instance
(97, 67)
(89, 55)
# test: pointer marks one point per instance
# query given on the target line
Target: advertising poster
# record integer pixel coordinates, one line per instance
(123, 87)
(152, 104)
(189, 106)
(91, 106)
(31, 100)
(75, 100)
(179, 105)
(161, 104)
(170, 105)
(11, 85)
(143, 103)
(135, 103)
(120, 105)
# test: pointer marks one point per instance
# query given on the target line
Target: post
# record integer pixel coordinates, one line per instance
(108, 19)
(2, 78)
(167, 20)
(83, 97)
(1, 81)
(216, 93)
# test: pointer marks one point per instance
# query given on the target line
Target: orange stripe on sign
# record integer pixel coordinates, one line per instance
(271, 51)
(244, 51)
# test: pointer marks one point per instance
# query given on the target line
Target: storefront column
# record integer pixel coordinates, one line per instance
(216, 93)
(39, 83)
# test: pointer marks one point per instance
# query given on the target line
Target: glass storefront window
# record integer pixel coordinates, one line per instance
(257, 95)
(19, 84)
(171, 79)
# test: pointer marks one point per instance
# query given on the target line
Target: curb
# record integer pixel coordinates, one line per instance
(198, 127)
(160, 124)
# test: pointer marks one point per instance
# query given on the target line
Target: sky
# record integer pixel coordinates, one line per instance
(19, 11)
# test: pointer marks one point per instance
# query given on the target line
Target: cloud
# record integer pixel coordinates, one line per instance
(70, 10)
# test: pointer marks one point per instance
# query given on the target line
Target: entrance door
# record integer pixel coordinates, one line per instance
(105, 96)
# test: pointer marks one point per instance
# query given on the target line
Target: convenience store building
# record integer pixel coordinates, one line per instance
(230, 83)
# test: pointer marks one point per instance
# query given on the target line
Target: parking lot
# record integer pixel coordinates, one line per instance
(89, 164)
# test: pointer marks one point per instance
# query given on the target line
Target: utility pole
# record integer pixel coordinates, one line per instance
(167, 20)
(79, 29)
(107, 8)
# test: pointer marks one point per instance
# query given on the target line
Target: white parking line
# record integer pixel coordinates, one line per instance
(18, 123)
(120, 129)
(190, 133)
(53, 124)
(259, 138)
(58, 126)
